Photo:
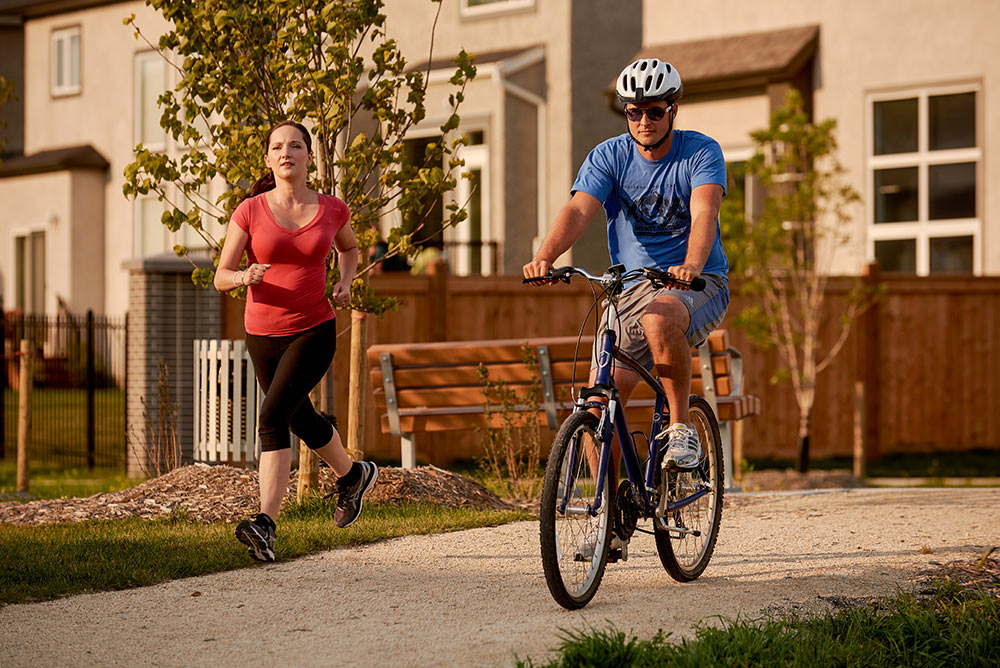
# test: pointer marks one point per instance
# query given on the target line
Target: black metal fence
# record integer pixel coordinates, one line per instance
(78, 389)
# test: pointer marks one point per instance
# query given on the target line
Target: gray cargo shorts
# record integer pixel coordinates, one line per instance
(706, 308)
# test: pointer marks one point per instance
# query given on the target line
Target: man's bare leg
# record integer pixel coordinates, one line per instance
(665, 322)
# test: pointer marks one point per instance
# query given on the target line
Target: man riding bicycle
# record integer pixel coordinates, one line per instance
(661, 189)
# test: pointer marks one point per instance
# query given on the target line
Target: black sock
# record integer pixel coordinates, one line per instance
(264, 520)
(351, 477)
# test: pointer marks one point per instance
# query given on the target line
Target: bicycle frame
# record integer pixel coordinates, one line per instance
(604, 386)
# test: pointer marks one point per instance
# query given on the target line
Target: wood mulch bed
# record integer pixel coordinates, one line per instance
(225, 494)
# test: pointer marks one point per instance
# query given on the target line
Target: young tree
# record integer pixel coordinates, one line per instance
(784, 256)
(244, 65)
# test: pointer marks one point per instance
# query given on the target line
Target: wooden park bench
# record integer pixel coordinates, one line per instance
(428, 387)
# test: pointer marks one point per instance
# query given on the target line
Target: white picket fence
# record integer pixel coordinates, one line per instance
(227, 401)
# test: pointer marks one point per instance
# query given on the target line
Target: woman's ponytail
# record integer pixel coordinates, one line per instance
(263, 184)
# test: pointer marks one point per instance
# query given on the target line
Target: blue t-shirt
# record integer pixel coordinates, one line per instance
(648, 203)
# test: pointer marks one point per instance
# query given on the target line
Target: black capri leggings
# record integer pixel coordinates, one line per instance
(288, 368)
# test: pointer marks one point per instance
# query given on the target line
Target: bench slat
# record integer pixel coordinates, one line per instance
(509, 372)
(501, 350)
(637, 413)
(472, 395)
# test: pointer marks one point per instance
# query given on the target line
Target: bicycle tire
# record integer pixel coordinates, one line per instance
(573, 578)
(685, 557)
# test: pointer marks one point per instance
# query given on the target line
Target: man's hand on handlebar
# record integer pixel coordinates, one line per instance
(684, 272)
(536, 269)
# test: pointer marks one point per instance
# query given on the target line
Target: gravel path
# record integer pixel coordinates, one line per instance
(478, 597)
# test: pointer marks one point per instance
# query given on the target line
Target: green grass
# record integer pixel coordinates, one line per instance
(947, 631)
(59, 424)
(44, 562)
(50, 482)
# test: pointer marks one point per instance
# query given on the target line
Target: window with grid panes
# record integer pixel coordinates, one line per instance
(924, 160)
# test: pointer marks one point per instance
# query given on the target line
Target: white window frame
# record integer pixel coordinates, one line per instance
(29, 292)
(923, 229)
(476, 157)
(494, 8)
(65, 37)
(137, 138)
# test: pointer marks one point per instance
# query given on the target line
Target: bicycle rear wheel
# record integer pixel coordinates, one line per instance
(573, 569)
(685, 537)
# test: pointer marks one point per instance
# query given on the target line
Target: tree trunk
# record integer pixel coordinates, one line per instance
(805, 424)
(358, 386)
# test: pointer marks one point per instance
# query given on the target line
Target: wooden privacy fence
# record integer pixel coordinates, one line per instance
(926, 353)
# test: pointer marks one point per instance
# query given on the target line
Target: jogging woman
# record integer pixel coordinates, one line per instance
(287, 231)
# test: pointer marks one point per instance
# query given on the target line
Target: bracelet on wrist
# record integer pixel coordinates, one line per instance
(239, 282)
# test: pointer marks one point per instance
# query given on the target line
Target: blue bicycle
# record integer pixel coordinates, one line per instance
(581, 512)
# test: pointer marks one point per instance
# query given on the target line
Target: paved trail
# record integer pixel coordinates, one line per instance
(478, 597)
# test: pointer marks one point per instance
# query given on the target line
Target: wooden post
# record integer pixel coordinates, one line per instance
(859, 430)
(871, 368)
(308, 461)
(24, 417)
(358, 386)
(438, 299)
(308, 472)
(736, 430)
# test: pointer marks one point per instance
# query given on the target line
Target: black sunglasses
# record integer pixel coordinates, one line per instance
(654, 113)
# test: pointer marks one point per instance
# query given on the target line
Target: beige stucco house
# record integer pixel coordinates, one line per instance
(908, 83)
(911, 85)
(534, 110)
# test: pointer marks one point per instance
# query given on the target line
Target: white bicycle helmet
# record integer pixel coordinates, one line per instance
(649, 80)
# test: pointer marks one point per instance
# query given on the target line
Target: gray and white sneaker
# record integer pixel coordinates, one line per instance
(351, 499)
(682, 447)
(258, 535)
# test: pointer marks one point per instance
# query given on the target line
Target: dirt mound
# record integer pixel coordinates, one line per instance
(226, 494)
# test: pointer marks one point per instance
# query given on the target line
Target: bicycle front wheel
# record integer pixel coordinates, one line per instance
(685, 537)
(575, 543)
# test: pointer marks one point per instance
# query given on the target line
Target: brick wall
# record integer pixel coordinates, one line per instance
(167, 312)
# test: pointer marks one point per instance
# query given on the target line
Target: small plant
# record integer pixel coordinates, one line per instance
(159, 434)
(513, 449)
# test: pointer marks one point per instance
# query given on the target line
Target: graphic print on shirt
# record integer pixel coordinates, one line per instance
(654, 215)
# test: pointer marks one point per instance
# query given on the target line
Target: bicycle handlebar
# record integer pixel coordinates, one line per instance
(617, 274)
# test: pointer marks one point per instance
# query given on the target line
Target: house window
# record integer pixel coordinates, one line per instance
(29, 272)
(150, 232)
(188, 236)
(924, 171)
(65, 61)
(425, 226)
(473, 8)
(150, 82)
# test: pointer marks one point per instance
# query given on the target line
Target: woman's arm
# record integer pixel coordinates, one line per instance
(347, 260)
(227, 275)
